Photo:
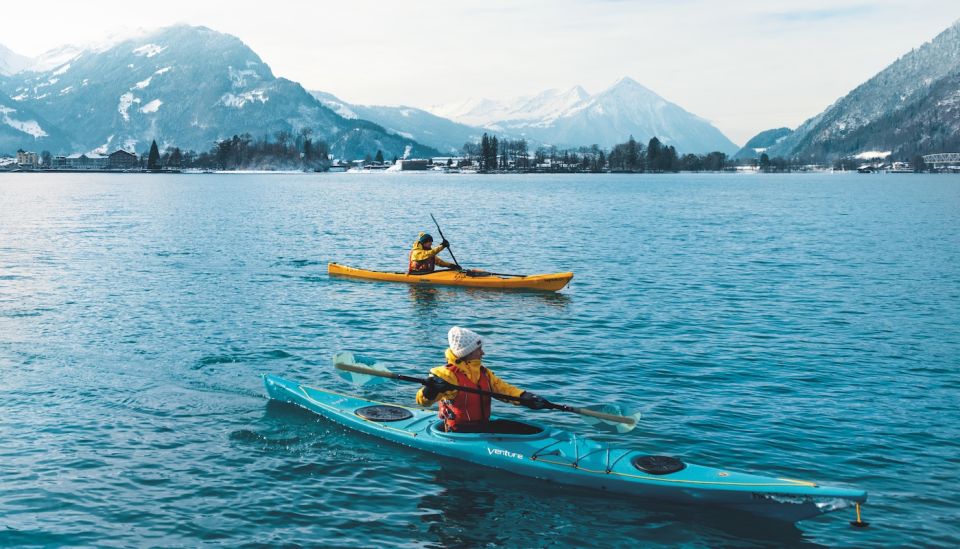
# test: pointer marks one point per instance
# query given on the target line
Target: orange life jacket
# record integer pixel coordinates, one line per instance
(466, 408)
(422, 266)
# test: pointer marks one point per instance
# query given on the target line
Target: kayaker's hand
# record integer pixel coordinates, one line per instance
(434, 386)
(456, 268)
(444, 243)
(532, 401)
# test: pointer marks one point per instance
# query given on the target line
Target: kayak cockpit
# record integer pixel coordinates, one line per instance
(498, 428)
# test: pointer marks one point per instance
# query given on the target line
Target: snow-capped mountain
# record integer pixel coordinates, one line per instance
(537, 109)
(574, 117)
(429, 129)
(760, 143)
(12, 62)
(911, 106)
(182, 86)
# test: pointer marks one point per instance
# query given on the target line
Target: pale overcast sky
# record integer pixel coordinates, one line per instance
(744, 65)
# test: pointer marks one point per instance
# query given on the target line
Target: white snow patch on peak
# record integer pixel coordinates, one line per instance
(142, 84)
(66, 90)
(57, 57)
(872, 155)
(152, 106)
(162, 71)
(149, 50)
(26, 126)
(126, 101)
(62, 70)
(331, 102)
(238, 101)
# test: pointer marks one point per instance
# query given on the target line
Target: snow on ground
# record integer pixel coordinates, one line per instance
(126, 101)
(238, 101)
(20, 97)
(143, 83)
(873, 155)
(152, 106)
(26, 126)
(238, 79)
(66, 90)
(149, 50)
(163, 70)
(61, 70)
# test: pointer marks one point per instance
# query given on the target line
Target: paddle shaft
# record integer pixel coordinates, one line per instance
(455, 262)
(474, 272)
(422, 381)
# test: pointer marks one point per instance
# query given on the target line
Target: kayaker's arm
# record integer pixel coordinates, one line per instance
(498, 385)
(445, 374)
(419, 254)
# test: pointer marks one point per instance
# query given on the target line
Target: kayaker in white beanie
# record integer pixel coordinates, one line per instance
(465, 412)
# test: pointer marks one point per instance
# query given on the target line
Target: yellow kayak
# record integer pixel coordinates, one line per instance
(473, 279)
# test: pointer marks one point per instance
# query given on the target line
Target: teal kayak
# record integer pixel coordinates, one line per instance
(559, 456)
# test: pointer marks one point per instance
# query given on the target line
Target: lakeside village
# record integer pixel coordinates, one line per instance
(489, 155)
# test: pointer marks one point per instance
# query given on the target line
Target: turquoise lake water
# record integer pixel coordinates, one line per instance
(804, 326)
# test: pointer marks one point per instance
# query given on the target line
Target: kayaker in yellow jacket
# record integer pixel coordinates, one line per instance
(465, 412)
(423, 257)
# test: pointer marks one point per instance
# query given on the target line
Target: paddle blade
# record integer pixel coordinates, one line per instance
(613, 426)
(355, 377)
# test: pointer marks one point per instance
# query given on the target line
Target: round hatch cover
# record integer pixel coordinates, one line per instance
(382, 412)
(658, 465)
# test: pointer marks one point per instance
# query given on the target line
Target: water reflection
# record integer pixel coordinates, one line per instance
(477, 507)
(425, 298)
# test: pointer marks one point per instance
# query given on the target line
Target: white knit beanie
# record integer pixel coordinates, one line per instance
(463, 341)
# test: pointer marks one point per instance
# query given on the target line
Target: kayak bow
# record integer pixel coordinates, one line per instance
(474, 279)
(559, 456)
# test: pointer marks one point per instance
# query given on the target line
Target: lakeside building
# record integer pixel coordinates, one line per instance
(123, 160)
(77, 161)
(412, 165)
(117, 160)
(28, 160)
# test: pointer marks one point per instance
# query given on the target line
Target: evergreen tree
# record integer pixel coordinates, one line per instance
(654, 150)
(379, 158)
(484, 151)
(176, 158)
(153, 160)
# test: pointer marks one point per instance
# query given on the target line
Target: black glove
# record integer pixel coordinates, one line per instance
(456, 267)
(434, 386)
(444, 243)
(532, 401)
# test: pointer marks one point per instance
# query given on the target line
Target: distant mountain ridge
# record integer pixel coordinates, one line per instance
(184, 86)
(424, 127)
(760, 143)
(12, 62)
(908, 107)
(573, 117)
